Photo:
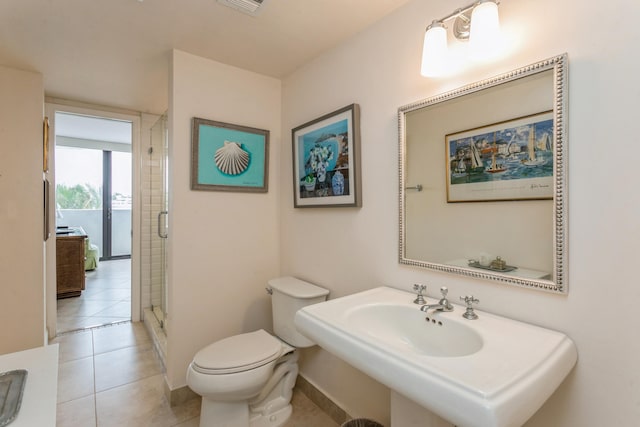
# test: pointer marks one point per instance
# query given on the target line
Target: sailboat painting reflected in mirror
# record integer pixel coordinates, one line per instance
(511, 160)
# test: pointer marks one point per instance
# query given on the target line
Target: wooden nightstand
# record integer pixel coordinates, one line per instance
(70, 262)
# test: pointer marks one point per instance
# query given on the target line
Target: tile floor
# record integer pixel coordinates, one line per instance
(112, 376)
(106, 298)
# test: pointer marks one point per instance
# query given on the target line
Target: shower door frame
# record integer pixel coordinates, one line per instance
(158, 215)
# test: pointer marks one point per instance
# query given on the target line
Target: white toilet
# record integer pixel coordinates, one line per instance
(246, 380)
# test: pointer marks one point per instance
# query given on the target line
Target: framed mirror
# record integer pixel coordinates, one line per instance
(483, 179)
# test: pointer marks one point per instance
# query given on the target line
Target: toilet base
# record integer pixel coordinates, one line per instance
(275, 419)
(235, 414)
(223, 414)
(270, 408)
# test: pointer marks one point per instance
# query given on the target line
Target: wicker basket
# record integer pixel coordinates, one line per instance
(361, 422)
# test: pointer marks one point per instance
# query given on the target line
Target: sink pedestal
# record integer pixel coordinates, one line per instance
(407, 413)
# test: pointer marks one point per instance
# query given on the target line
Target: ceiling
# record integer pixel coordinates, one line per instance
(116, 52)
(93, 128)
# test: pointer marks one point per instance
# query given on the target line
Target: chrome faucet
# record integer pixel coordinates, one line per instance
(442, 305)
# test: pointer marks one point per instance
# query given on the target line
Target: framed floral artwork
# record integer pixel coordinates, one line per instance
(326, 160)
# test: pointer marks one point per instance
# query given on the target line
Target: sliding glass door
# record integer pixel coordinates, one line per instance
(117, 202)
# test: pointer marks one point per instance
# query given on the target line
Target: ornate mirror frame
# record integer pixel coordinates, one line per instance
(558, 282)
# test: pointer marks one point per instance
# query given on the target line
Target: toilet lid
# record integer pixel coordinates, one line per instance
(238, 353)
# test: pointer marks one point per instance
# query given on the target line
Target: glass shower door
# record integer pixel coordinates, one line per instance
(158, 215)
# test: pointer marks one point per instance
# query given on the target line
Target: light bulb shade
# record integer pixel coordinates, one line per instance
(434, 51)
(484, 37)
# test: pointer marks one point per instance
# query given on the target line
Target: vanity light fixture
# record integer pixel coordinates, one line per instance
(434, 50)
(478, 22)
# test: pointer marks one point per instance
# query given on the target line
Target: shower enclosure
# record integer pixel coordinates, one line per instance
(155, 231)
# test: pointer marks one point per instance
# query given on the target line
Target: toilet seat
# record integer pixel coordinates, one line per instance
(238, 353)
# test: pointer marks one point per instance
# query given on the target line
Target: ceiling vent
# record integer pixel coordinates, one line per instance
(250, 7)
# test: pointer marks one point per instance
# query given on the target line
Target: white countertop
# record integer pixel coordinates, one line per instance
(38, 406)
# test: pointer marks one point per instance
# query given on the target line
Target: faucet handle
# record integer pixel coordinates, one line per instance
(470, 300)
(419, 289)
(444, 291)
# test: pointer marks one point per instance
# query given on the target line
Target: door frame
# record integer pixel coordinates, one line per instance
(65, 106)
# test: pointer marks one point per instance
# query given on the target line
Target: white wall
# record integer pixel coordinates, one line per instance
(22, 291)
(223, 246)
(356, 249)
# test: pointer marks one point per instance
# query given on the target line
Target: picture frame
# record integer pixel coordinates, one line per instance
(229, 157)
(326, 160)
(509, 160)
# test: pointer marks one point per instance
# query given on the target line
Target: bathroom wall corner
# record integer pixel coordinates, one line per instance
(323, 402)
(178, 396)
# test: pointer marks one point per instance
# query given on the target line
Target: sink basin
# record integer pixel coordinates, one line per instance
(493, 371)
(405, 328)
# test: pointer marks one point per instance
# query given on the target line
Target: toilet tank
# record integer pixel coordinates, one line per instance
(290, 295)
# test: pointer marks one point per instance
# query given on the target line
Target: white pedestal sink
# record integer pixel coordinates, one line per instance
(488, 372)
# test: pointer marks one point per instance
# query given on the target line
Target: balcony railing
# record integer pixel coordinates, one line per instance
(91, 221)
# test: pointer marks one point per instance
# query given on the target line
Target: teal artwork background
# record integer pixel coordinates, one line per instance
(212, 138)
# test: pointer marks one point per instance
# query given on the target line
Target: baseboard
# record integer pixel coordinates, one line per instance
(180, 395)
(328, 406)
(157, 334)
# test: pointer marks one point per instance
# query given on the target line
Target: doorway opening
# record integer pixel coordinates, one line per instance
(93, 193)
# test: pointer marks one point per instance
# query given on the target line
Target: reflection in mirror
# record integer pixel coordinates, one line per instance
(482, 178)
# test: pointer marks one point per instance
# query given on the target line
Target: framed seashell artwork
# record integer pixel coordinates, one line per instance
(326, 160)
(228, 157)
